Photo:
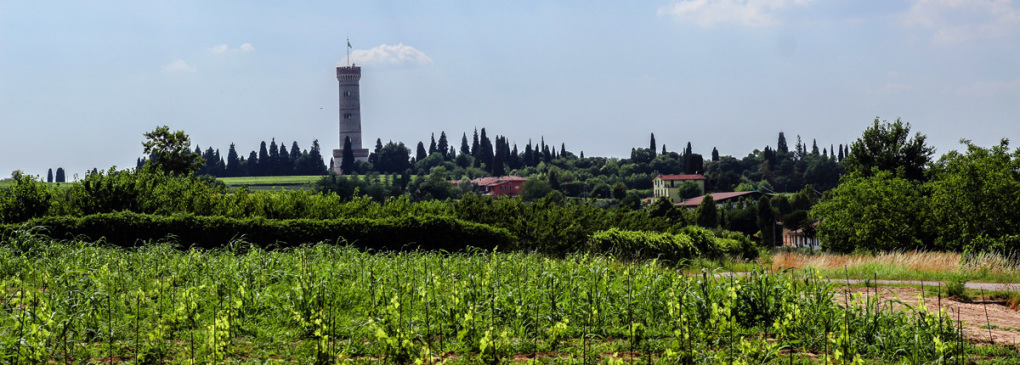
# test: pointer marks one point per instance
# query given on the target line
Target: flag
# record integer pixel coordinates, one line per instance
(349, 43)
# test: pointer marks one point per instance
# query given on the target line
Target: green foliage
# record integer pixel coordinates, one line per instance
(667, 247)
(707, 212)
(878, 212)
(535, 189)
(76, 300)
(889, 147)
(397, 233)
(171, 152)
(26, 199)
(974, 194)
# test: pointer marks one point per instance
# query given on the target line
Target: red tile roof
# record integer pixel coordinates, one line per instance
(718, 197)
(681, 177)
(496, 180)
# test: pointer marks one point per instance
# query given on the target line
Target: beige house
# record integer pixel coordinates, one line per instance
(669, 185)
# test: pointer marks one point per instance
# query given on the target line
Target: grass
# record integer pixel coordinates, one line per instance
(270, 182)
(81, 301)
(908, 265)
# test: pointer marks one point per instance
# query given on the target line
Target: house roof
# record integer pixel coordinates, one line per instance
(681, 177)
(718, 197)
(497, 180)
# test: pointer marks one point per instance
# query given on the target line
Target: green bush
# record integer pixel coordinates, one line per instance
(27, 199)
(667, 247)
(395, 233)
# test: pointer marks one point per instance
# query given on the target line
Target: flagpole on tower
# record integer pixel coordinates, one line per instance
(348, 51)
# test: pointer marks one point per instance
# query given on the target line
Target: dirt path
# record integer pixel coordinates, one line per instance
(1005, 322)
(969, 285)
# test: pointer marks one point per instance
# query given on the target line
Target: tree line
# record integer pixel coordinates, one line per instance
(269, 160)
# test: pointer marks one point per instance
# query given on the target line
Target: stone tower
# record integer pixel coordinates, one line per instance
(350, 114)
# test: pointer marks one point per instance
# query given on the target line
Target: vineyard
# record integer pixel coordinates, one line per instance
(76, 301)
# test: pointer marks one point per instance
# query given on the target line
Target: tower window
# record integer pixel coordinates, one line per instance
(347, 115)
(347, 94)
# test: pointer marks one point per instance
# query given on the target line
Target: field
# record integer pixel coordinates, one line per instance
(271, 182)
(79, 301)
(906, 265)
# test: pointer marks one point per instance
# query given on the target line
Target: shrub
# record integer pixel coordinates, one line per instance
(642, 244)
(27, 199)
(395, 233)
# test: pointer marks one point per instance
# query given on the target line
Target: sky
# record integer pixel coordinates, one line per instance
(81, 82)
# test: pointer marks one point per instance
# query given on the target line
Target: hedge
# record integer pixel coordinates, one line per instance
(395, 233)
(687, 243)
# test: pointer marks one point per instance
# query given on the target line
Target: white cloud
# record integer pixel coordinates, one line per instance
(962, 20)
(707, 13)
(178, 66)
(387, 54)
(223, 48)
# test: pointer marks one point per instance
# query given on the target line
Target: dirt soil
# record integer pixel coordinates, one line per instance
(1004, 320)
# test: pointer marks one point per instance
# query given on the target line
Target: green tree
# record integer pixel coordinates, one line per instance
(233, 162)
(651, 145)
(171, 152)
(707, 212)
(49, 175)
(781, 146)
(973, 195)
(420, 152)
(347, 158)
(535, 189)
(877, 212)
(619, 190)
(766, 221)
(443, 146)
(690, 189)
(60, 175)
(889, 147)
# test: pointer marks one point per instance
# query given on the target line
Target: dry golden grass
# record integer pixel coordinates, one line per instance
(907, 265)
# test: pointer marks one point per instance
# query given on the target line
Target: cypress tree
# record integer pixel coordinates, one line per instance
(465, 149)
(814, 147)
(781, 145)
(274, 159)
(476, 146)
(528, 155)
(318, 164)
(841, 155)
(443, 146)
(295, 154)
(688, 151)
(420, 153)
(251, 165)
(49, 176)
(487, 150)
(347, 158)
(663, 148)
(60, 175)
(497, 160)
(262, 166)
(233, 162)
(715, 154)
(432, 146)
(651, 145)
(373, 158)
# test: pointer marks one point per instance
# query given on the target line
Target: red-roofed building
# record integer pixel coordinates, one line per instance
(501, 185)
(721, 198)
(669, 185)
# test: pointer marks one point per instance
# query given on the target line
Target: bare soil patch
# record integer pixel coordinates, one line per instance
(1004, 321)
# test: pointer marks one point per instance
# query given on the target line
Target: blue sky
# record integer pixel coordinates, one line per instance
(81, 82)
